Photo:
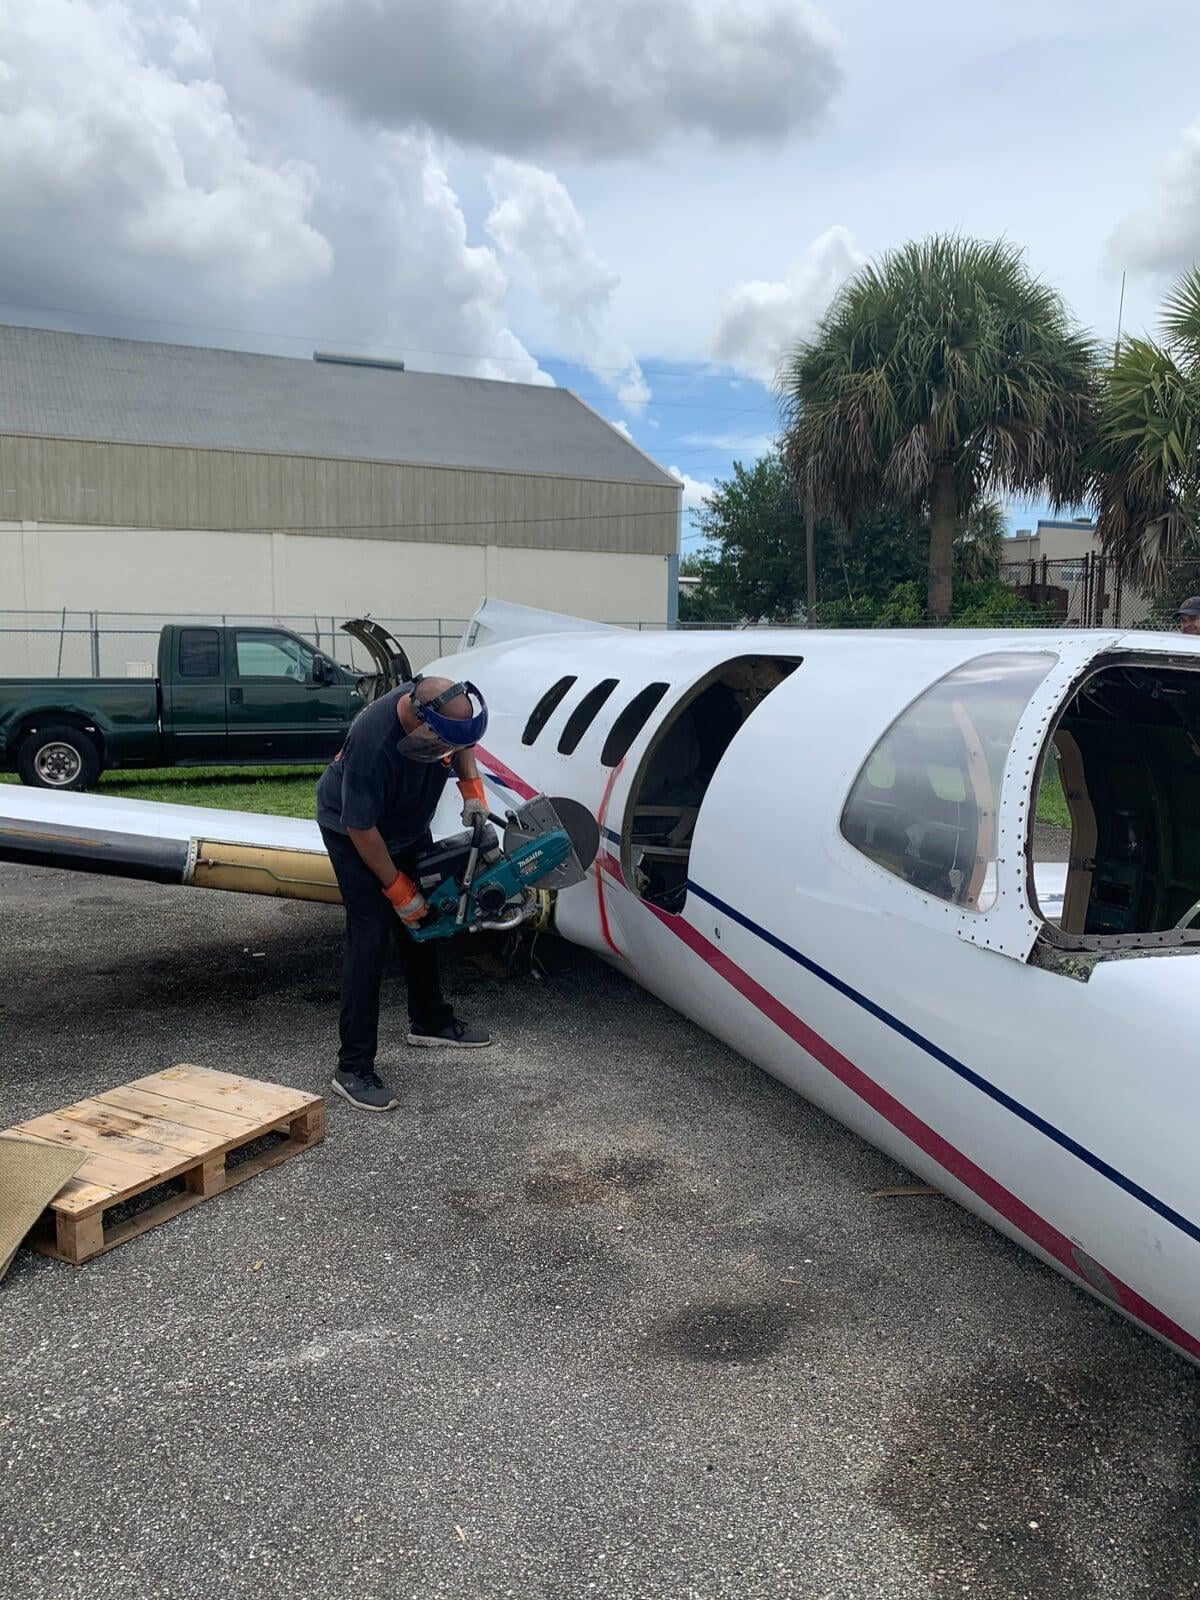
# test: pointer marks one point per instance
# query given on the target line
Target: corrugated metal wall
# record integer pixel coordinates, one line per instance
(162, 486)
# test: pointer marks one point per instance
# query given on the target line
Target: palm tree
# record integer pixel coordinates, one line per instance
(1147, 453)
(940, 374)
(979, 542)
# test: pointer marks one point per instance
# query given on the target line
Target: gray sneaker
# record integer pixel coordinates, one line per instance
(458, 1035)
(365, 1091)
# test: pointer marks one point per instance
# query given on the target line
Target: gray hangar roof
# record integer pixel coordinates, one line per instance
(130, 391)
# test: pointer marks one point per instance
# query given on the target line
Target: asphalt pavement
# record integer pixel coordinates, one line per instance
(601, 1312)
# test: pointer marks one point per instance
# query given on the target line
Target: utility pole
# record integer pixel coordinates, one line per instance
(810, 562)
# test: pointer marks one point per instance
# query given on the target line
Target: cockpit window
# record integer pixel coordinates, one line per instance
(924, 805)
(1118, 809)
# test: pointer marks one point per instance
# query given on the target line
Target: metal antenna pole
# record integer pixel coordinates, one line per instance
(810, 560)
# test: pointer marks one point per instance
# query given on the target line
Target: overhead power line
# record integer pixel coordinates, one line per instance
(446, 522)
(399, 349)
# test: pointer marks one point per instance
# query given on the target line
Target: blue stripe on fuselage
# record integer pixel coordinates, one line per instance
(1063, 1140)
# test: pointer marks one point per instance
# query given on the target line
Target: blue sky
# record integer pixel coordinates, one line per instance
(698, 423)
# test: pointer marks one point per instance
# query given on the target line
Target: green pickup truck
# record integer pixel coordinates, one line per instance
(222, 696)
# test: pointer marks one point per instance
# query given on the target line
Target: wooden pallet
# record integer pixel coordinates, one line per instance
(178, 1127)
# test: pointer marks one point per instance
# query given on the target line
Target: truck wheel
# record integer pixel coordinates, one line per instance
(58, 757)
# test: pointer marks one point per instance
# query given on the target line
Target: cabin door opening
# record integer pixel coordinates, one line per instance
(669, 788)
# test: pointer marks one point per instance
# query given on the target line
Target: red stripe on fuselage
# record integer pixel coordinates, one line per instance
(959, 1166)
(602, 859)
(968, 1173)
(505, 774)
(520, 787)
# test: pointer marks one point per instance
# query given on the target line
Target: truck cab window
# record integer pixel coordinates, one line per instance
(924, 805)
(267, 655)
(199, 653)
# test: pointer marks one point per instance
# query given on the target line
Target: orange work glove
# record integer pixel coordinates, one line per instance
(474, 804)
(406, 898)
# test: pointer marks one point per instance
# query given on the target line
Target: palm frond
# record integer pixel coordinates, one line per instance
(1146, 457)
(945, 350)
(1181, 310)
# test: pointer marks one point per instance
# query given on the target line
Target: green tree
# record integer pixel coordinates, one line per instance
(1147, 452)
(700, 602)
(940, 375)
(979, 543)
(753, 566)
(978, 603)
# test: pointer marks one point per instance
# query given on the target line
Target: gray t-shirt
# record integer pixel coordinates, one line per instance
(371, 785)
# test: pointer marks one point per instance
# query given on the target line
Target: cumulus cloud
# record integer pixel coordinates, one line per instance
(131, 184)
(1166, 238)
(568, 77)
(448, 294)
(108, 157)
(760, 319)
(695, 492)
(534, 223)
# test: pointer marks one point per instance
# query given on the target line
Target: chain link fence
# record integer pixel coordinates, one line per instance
(1088, 591)
(1081, 592)
(1084, 591)
(124, 644)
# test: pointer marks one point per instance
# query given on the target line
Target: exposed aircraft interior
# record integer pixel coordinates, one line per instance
(1126, 755)
(1122, 770)
(675, 773)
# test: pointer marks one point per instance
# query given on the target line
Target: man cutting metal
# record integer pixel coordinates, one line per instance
(375, 802)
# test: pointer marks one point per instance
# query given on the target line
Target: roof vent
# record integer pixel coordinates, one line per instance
(340, 360)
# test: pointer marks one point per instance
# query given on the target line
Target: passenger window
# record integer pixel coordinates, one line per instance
(545, 709)
(924, 805)
(199, 653)
(581, 718)
(266, 655)
(630, 723)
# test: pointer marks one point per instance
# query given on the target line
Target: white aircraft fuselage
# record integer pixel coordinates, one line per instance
(1064, 1112)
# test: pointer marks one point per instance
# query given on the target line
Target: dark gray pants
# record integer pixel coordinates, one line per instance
(371, 925)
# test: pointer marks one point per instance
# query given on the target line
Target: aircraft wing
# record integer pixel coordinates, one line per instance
(196, 845)
(252, 852)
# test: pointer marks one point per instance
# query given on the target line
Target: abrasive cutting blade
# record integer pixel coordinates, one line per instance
(541, 815)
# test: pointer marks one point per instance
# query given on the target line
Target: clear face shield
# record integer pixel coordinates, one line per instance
(438, 735)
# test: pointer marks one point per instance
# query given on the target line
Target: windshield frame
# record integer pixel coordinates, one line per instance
(1050, 936)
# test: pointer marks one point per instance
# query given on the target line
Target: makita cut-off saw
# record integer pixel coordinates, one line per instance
(477, 880)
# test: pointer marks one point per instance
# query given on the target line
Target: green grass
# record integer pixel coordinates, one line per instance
(291, 791)
(1052, 803)
(285, 791)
